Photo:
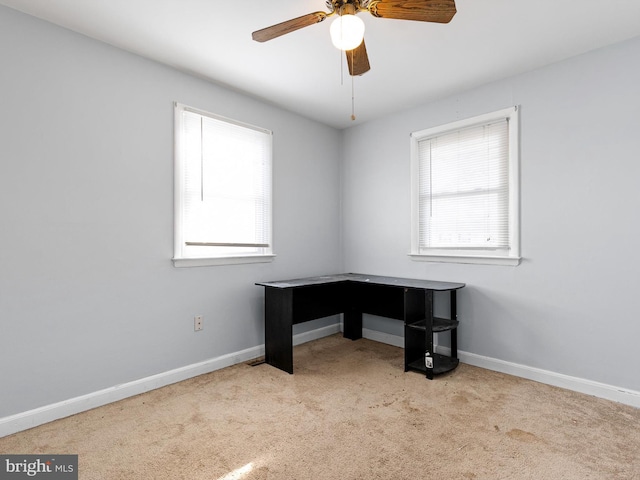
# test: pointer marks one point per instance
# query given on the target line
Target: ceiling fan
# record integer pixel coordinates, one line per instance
(440, 11)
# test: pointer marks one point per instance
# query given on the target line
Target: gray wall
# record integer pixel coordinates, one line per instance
(572, 306)
(89, 298)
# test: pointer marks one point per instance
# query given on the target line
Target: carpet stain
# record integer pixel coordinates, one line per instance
(197, 418)
(459, 400)
(406, 406)
(523, 436)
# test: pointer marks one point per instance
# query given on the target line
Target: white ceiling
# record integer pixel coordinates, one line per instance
(411, 62)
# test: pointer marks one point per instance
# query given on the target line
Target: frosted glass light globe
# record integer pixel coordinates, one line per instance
(347, 32)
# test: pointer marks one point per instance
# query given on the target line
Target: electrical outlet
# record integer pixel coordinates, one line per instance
(198, 322)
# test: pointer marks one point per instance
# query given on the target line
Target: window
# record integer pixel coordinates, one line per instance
(465, 200)
(222, 190)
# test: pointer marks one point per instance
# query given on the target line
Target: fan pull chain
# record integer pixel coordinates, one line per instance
(341, 68)
(353, 108)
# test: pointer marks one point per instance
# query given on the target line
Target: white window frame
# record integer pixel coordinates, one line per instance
(180, 259)
(460, 255)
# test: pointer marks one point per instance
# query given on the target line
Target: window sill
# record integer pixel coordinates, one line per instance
(209, 262)
(469, 259)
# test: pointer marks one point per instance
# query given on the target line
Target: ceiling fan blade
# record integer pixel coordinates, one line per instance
(287, 27)
(440, 11)
(358, 60)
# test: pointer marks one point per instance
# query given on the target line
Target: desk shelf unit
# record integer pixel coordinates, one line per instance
(289, 302)
(418, 340)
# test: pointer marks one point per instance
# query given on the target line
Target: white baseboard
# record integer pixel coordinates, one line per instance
(589, 387)
(48, 413)
(315, 334)
(381, 337)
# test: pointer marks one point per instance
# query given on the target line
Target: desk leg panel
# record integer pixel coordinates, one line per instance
(278, 328)
(352, 324)
(428, 301)
(454, 316)
(352, 313)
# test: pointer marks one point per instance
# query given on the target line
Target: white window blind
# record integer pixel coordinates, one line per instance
(224, 206)
(466, 189)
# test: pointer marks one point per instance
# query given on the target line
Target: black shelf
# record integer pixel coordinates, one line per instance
(441, 364)
(420, 328)
(439, 324)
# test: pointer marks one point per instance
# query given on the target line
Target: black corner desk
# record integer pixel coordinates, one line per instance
(289, 302)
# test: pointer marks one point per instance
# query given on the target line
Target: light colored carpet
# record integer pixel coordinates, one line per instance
(348, 412)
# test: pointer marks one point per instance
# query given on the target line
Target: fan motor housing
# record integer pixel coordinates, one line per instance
(345, 6)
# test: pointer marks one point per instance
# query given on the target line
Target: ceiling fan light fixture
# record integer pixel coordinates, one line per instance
(347, 32)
